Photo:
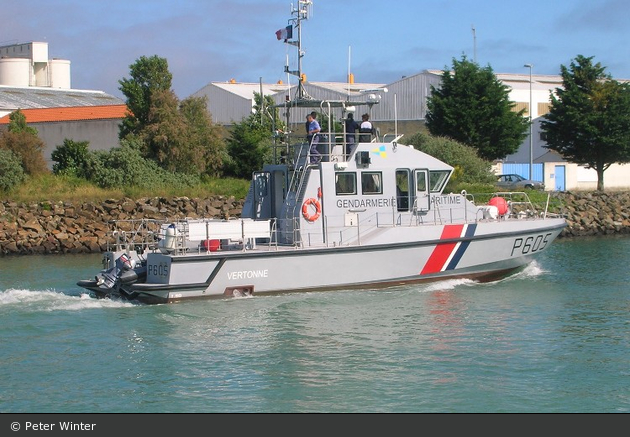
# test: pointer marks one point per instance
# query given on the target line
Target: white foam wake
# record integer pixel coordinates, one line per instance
(448, 284)
(50, 300)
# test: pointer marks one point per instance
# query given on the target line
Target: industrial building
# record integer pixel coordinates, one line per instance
(41, 88)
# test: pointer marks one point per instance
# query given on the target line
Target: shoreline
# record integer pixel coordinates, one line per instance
(66, 227)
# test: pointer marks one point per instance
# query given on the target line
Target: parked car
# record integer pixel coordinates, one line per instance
(517, 182)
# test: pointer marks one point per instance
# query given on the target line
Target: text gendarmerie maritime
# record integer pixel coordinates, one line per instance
(364, 203)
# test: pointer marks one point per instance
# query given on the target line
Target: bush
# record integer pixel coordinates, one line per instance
(469, 168)
(70, 158)
(123, 167)
(11, 171)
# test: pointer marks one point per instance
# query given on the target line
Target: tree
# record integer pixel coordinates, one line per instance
(11, 172)
(23, 141)
(472, 106)
(204, 135)
(249, 144)
(589, 119)
(164, 134)
(266, 112)
(178, 136)
(17, 123)
(148, 76)
(249, 147)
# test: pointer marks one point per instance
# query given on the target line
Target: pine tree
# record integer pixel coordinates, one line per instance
(472, 106)
(589, 119)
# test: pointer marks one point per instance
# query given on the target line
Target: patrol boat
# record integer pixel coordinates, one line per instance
(377, 216)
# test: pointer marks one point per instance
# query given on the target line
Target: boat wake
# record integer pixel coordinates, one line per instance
(50, 300)
(447, 284)
(532, 270)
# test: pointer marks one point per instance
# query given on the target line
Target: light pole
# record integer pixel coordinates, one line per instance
(531, 137)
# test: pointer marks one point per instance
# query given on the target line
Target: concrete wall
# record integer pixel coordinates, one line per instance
(101, 134)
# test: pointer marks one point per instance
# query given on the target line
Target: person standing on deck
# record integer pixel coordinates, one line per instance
(351, 127)
(313, 138)
(366, 129)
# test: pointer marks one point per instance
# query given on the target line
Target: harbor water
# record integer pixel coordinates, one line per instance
(552, 338)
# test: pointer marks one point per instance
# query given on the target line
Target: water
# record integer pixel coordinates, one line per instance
(553, 338)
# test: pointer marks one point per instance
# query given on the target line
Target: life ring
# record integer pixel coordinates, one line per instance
(318, 209)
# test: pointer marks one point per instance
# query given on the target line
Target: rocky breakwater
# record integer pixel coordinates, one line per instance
(68, 227)
(595, 213)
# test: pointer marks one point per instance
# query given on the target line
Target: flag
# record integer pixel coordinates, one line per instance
(285, 34)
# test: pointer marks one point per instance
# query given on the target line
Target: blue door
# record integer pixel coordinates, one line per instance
(560, 178)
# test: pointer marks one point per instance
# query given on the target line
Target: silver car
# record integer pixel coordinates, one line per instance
(517, 182)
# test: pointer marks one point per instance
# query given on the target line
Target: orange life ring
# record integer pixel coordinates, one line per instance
(318, 209)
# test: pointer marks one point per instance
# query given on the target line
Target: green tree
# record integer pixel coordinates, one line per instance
(589, 119)
(204, 135)
(148, 76)
(472, 106)
(249, 143)
(164, 134)
(11, 172)
(178, 136)
(181, 136)
(17, 123)
(266, 112)
(249, 147)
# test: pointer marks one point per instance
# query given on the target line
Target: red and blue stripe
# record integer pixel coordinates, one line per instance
(446, 256)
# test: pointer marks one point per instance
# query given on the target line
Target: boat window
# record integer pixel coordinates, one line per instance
(371, 182)
(437, 180)
(345, 183)
(421, 181)
(262, 180)
(402, 189)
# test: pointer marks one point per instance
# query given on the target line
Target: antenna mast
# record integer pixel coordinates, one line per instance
(474, 32)
(302, 12)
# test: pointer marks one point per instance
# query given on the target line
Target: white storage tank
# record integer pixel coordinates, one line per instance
(60, 73)
(15, 72)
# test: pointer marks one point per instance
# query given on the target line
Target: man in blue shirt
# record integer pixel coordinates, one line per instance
(313, 138)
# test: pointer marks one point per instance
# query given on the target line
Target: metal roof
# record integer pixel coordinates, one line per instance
(12, 98)
(246, 90)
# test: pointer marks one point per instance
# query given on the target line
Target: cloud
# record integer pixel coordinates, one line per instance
(603, 16)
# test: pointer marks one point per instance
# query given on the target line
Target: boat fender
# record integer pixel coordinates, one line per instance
(170, 238)
(501, 204)
(305, 209)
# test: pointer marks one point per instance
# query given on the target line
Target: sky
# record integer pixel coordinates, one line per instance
(207, 41)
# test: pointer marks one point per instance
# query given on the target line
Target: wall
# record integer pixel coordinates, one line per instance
(101, 134)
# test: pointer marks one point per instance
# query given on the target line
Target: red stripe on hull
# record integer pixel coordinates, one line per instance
(443, 250)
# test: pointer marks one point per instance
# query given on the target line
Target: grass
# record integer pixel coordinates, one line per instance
(54, 188)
